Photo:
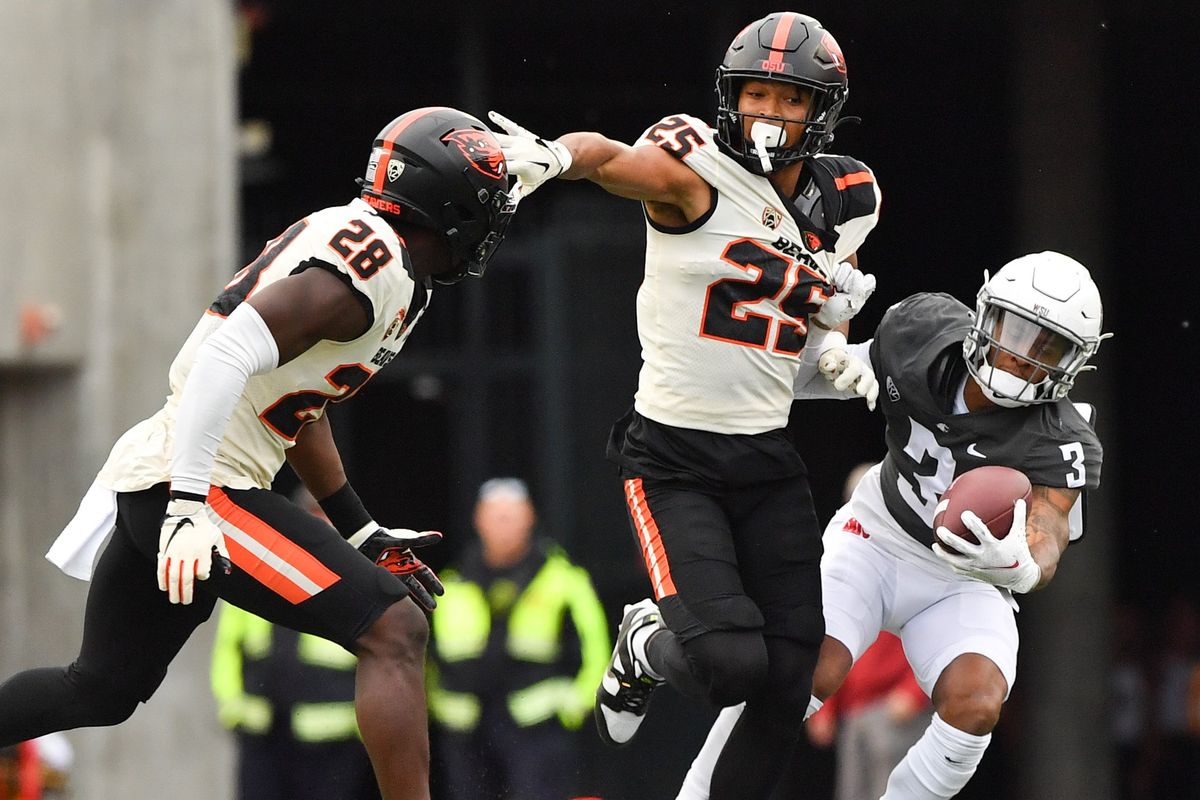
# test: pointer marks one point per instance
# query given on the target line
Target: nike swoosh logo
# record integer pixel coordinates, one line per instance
(973, 450)
(1013, 565)
(178, 525)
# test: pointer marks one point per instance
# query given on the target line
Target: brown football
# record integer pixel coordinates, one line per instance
(988, 491)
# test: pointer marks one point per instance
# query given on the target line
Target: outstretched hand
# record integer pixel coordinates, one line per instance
(532, 159)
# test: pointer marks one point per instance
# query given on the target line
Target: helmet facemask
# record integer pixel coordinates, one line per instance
(1037, 322)
(790, 48)
(470, 253)
(1018, 361)
(821, 118)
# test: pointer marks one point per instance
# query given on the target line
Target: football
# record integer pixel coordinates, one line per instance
(988, 491)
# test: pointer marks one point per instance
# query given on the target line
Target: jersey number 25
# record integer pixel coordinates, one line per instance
(773, 277)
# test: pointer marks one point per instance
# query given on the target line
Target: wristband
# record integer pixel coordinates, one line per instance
(345, 510)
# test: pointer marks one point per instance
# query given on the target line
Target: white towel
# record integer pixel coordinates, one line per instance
(75, 549)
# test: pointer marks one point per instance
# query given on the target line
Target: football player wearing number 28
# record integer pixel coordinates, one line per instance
(313, 318)
(959, 391)
(750, 267)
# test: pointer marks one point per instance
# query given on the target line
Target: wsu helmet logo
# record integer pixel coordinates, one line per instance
(480, 149)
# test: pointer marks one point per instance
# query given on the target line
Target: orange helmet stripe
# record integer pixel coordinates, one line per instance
(389, 140)
(779, 42)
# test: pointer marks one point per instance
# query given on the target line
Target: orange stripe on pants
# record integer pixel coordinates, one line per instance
(292, 572)
(653, 552)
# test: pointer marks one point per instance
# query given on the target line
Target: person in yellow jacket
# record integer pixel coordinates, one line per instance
(518, 644)
(289, 698)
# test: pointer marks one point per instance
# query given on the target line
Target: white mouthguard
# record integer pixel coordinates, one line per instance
(765, 135)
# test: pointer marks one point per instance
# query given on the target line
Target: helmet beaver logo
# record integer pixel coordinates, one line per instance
(834, 51)
(481, 150)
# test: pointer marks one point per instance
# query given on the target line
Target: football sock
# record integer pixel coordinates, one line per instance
(938, 766)
(638, 643)
(699, 777)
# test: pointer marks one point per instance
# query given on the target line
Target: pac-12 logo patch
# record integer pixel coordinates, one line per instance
(481, 149)
(395, 169)
(772, 217)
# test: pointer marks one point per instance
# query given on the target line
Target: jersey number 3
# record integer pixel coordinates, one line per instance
(772, 276)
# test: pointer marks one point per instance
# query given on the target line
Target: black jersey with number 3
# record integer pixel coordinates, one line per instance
(917, 356)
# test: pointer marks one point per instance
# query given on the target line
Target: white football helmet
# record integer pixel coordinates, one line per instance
(1037, 322)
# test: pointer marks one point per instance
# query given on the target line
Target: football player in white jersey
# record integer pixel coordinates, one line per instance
(961, 391)
(751, 236)
(325, 306)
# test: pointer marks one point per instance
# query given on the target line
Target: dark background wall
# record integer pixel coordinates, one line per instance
(523, 372)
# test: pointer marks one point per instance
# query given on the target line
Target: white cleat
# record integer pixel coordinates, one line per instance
(624, 693)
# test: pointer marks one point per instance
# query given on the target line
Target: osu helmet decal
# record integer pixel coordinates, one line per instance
(481, 149)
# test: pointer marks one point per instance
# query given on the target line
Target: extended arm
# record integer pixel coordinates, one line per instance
(647, 173)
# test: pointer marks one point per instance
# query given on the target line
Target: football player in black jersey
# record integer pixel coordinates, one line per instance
(958, 391)
(307, 323)
(752, 233)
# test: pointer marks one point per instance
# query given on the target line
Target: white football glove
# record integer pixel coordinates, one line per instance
(854, 288)
(847, 372)
(1005, 562)
(185, 549)
(531, 158)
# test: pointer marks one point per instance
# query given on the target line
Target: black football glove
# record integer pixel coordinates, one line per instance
(392, 550)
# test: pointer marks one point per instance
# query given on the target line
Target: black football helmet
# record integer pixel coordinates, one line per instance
(790, 47)
(442, 169)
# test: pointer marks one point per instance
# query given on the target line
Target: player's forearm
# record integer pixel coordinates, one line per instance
(316, 460)
(1047, 529)
(590, 152)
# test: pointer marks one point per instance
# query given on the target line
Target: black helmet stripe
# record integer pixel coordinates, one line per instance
(389, 141)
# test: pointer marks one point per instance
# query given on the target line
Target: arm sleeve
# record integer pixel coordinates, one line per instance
(241, 347)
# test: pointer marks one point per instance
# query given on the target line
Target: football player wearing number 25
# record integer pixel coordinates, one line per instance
(959, 392)
(326, 305)
(752, 232)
